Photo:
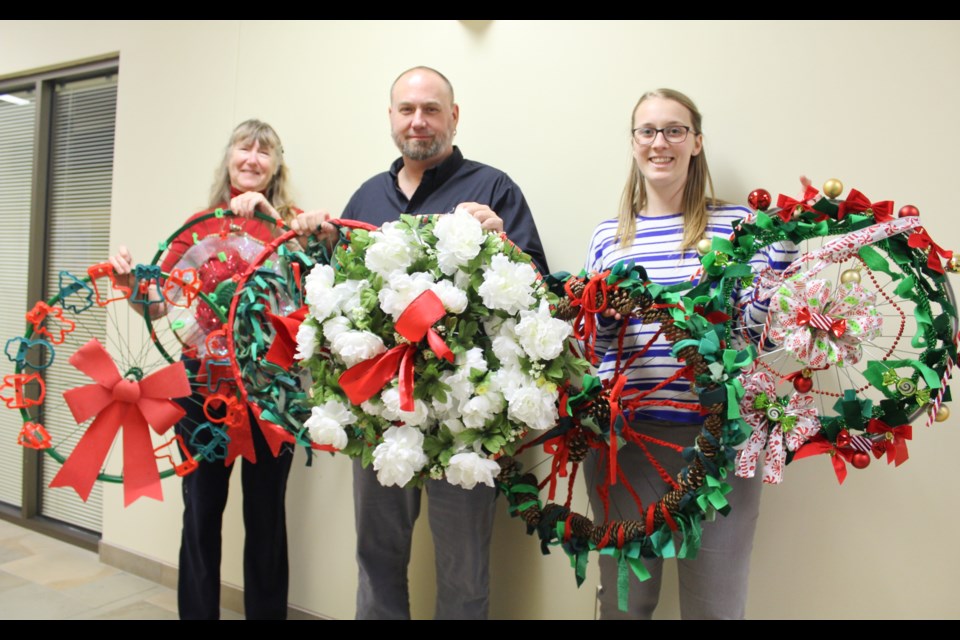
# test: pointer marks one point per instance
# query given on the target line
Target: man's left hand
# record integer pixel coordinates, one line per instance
(487, 217)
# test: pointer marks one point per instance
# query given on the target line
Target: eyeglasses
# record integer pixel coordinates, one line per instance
(674, 134)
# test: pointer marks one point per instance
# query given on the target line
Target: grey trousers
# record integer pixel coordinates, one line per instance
(461, 522)
(714, 584)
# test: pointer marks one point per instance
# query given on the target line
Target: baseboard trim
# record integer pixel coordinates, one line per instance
(231, 597)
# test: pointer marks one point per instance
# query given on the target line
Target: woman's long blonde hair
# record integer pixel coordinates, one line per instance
(277, 191)
(695, 200)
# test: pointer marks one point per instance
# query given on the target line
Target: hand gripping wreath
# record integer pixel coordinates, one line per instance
(861, 336)
(432, 350)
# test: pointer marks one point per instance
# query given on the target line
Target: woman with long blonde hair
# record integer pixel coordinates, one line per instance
(667, 208)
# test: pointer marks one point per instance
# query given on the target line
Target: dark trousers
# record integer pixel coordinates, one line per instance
(265, 566)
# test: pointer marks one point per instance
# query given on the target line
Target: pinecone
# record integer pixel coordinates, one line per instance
(621, 301)
(580, 526)
(509, 467)
(632, 530)
(599, 410)
(566, 310)
(577, 444)
(577, 285)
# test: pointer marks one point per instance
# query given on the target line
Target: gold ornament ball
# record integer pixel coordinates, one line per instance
(832, 188)
(953, 264)
(850, 276)
(704, 246)
(943, 413)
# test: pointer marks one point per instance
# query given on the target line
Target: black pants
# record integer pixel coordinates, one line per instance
(265, 566)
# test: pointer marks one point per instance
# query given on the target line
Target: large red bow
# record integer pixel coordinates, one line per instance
(362, 381)
(788, 206)
(857, 202)
(120, 402)
(836, 326)
(920, 239)
(895, 442)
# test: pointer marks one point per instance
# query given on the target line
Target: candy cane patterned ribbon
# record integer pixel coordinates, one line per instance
(776, 428)
(837, 250)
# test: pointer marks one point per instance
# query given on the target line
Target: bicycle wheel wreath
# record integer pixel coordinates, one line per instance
(125, 389)
(432, 350)
(140, 384)
(861, 338)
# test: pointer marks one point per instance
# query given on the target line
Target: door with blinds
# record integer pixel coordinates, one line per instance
(18, 115)
(72, 138)
(78, 233)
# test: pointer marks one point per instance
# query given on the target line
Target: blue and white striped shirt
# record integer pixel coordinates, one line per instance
(656, 247)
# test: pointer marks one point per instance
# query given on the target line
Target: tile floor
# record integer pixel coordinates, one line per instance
(45, 579)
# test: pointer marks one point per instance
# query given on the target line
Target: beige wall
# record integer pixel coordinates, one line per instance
(870, 103)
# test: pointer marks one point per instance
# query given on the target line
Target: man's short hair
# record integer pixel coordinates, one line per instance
(423, 68)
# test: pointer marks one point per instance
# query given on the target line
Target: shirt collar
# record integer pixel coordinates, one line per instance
(434, 175)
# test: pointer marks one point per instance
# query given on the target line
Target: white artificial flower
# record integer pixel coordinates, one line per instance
(319, 292)
(454, 425)
(540, 334)
(356, 346)
(326, 423)
(453, 298)
(534, 406)
(461, 390)
(480, 409)
(459, 240)
(470, 361)
(334, 327)
(348, 295)
(468, 469)
(509, 379)
(505, 345)
(401, 289)
(419, 417)
(392, 249)
(462, 280)
(306, 341)
(508, 286)
(399, 456)
(372, 407)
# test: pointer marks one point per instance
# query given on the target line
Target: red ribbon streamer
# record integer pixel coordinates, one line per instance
(585, 324)
(857, 202)
(119, 402)
(817, 445)
(895, 445)
(284, 345)
(362, 381)
(920, 239)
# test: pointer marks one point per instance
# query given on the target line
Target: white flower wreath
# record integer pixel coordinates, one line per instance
(432, 349)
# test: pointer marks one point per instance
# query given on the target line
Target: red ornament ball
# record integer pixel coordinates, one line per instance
(908, 211)
(861, 460)
(802, 384)
(759, 199)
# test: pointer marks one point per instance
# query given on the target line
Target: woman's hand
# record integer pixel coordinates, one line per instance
(318, 223)
(488, 218)
(610, 312)
(123, 265)
(245, 204)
